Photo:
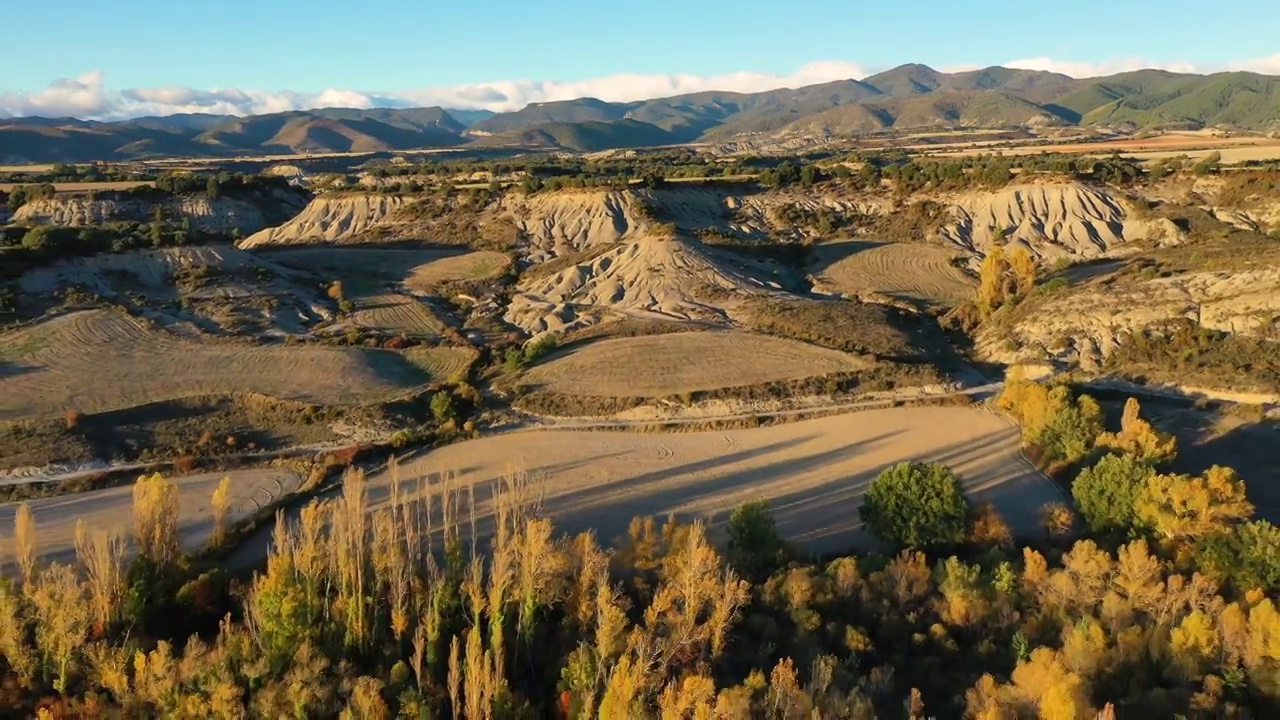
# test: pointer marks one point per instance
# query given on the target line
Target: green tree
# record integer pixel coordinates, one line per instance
(442, 407)
(754, 544)
(1107, 493)
(1247, 555)
(916, 505)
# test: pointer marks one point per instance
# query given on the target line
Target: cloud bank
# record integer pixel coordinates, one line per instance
(89, 98)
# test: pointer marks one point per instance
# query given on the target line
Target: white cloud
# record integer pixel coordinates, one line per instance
(1094, 69)
(88, 96)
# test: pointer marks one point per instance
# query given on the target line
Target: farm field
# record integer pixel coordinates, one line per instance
(396, 313)
(814, 472)
(911, 272)
(97, 360)
(441, 363)
(73, 187)
(391, 265)
(659, 365)
(111, 510)
(466, 266)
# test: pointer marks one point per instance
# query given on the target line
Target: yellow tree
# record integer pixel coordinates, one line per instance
(1138, 438)
(1043, 687)
(1184, 507)
(991, 280)
(1023, 267)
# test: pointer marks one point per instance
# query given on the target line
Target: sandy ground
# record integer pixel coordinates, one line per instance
(911, 272)
(112, 510)
(813, 472)
(99, 360)
(658, 365)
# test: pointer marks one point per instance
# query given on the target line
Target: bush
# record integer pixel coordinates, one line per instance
(1107, 493)
(442, 407)
(916, 505)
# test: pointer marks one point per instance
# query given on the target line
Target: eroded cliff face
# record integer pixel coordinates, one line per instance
(222, 215)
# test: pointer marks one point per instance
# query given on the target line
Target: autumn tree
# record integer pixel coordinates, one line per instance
(155, 518)
(916, 505)
(993, 277)
(1178, 507)
(1023, 268)
(1138, 438)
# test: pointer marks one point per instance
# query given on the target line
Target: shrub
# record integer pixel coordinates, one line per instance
(916, 505)
(73, 418)
(442, 407)
(1107, 493)
(538, 348)
(1058, 520)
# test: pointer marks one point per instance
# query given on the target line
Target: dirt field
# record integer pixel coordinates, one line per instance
(660, 365)
(813, 472)
(918, 273)
(112, 509)
(99, 360)
(467, 266)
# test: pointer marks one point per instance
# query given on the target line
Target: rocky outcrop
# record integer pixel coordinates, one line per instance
(1061, 220)
(1084, 326)
(330, 219)
(223, 215)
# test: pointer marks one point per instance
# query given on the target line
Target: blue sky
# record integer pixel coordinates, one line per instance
(384, 49)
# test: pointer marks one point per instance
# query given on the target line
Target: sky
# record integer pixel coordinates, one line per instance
(111, 60)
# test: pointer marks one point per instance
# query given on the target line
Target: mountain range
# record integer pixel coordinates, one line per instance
(906, 97)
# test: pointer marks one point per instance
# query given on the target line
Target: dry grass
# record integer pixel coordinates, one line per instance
(56, 517)
(814, 472)
(659, 365)
(99, 360)
(917, 273)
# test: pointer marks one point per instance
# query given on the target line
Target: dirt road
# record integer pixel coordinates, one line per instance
(112, 509)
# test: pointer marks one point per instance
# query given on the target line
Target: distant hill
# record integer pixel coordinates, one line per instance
(905, 97)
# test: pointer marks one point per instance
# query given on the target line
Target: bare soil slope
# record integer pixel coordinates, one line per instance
(651, 276)
(1050, 220)
(99, 360)
(813, 472)
(329, 218)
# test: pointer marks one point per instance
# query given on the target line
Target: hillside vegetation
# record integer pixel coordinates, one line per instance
(910, 96)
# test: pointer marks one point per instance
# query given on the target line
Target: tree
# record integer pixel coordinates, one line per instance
(1183, 507)
(1023, 267)
(1138, 438)
(916, 505)
(992, 275)
(754, 544)
(1247, 555)
(1107, 493)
